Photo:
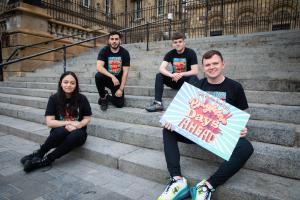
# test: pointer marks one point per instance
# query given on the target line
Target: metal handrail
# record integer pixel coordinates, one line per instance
(64, 47)
(45, 42)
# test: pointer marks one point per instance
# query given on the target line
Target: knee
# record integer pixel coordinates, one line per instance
(58, 131)
(159, 76)
(77, 137)
(166, 134)
(99, 76)
(246, 148)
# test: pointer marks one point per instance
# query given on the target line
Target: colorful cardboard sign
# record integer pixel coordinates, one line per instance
(206, 120)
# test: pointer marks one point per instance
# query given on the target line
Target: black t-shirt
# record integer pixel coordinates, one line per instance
(84, 109)
(229, 90)
(181, 62)
(114, 62)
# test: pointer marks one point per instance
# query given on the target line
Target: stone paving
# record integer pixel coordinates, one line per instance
(69, 178)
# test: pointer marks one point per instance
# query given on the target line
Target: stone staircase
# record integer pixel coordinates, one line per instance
(130, 139)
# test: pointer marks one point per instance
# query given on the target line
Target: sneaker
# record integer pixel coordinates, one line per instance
(35, 154)
(33, 164)
(154, 107)
(103, 102)
(175, 190)
(201, 191)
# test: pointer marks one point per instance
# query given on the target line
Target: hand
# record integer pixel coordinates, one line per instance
(115, 81)
(76, 124)
(70, 128)
(168, 126)
(176, 76)
(119, 93)
(244, 132)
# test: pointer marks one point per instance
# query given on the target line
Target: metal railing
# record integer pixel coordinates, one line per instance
(65, 47)
(218, 17)
(195, 18)
(23, 47)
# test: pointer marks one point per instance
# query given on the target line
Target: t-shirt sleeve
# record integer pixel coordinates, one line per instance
(126, 59)
(86, 108)
(51, 107)
(193, 57)
(102, 54)
(242, 103)
(168, 57)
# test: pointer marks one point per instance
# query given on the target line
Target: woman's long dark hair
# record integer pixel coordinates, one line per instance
(72, 108)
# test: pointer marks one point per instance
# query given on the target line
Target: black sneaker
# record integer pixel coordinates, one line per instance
(36, 163)
(35, 154)
(154, 107)
(103, 102)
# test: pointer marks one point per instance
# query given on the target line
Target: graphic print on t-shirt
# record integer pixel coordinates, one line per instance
(68, 117)
(179, 65)
(114, 65)
(220, 95)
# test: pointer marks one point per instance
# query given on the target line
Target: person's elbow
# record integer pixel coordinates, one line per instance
(49, 124)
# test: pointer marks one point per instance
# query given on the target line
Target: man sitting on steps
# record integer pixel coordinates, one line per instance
(185, 65)
(233, 93)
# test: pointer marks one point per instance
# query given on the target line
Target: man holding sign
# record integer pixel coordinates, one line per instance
(230, 91)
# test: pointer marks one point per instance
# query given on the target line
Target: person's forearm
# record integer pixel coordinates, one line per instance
(165, 72)
(56, 123)
(85, 121)
(124, 79)
(103, 71)
(192, 72)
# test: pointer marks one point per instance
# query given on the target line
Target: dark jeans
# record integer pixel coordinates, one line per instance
(227, 169)
(63, 141)
(103, 81)
(161, 79)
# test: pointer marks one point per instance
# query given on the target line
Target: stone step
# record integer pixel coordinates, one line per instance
(257, 74)
(245, 40)
(262, 131)
(84, 74)
(248, 84)
(234, 61)
(150, 164)
(151, 137)
(264, 97)
(282, 85)
(81, 179)
(48, 79)
(151, 63)
(289, 114)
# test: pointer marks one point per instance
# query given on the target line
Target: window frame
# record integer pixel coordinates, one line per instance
(138, 9)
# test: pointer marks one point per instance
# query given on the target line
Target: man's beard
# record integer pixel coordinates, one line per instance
(117, 46)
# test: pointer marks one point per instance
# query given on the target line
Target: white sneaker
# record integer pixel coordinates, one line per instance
(175, 190)
(201, 191)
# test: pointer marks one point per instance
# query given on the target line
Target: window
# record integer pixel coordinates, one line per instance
(108, 7)
(160, 7)
(138, 9)
(184, 4)
(86, 3)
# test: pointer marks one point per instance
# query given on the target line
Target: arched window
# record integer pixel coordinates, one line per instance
(281, 19)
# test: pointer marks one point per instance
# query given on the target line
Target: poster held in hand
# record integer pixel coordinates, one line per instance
(206, 120)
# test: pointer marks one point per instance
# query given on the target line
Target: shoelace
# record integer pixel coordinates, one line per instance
(200, 189)
(171, 181)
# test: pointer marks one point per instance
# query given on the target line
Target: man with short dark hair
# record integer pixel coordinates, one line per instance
(215, 83)
(184, 65)
(113, 66)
